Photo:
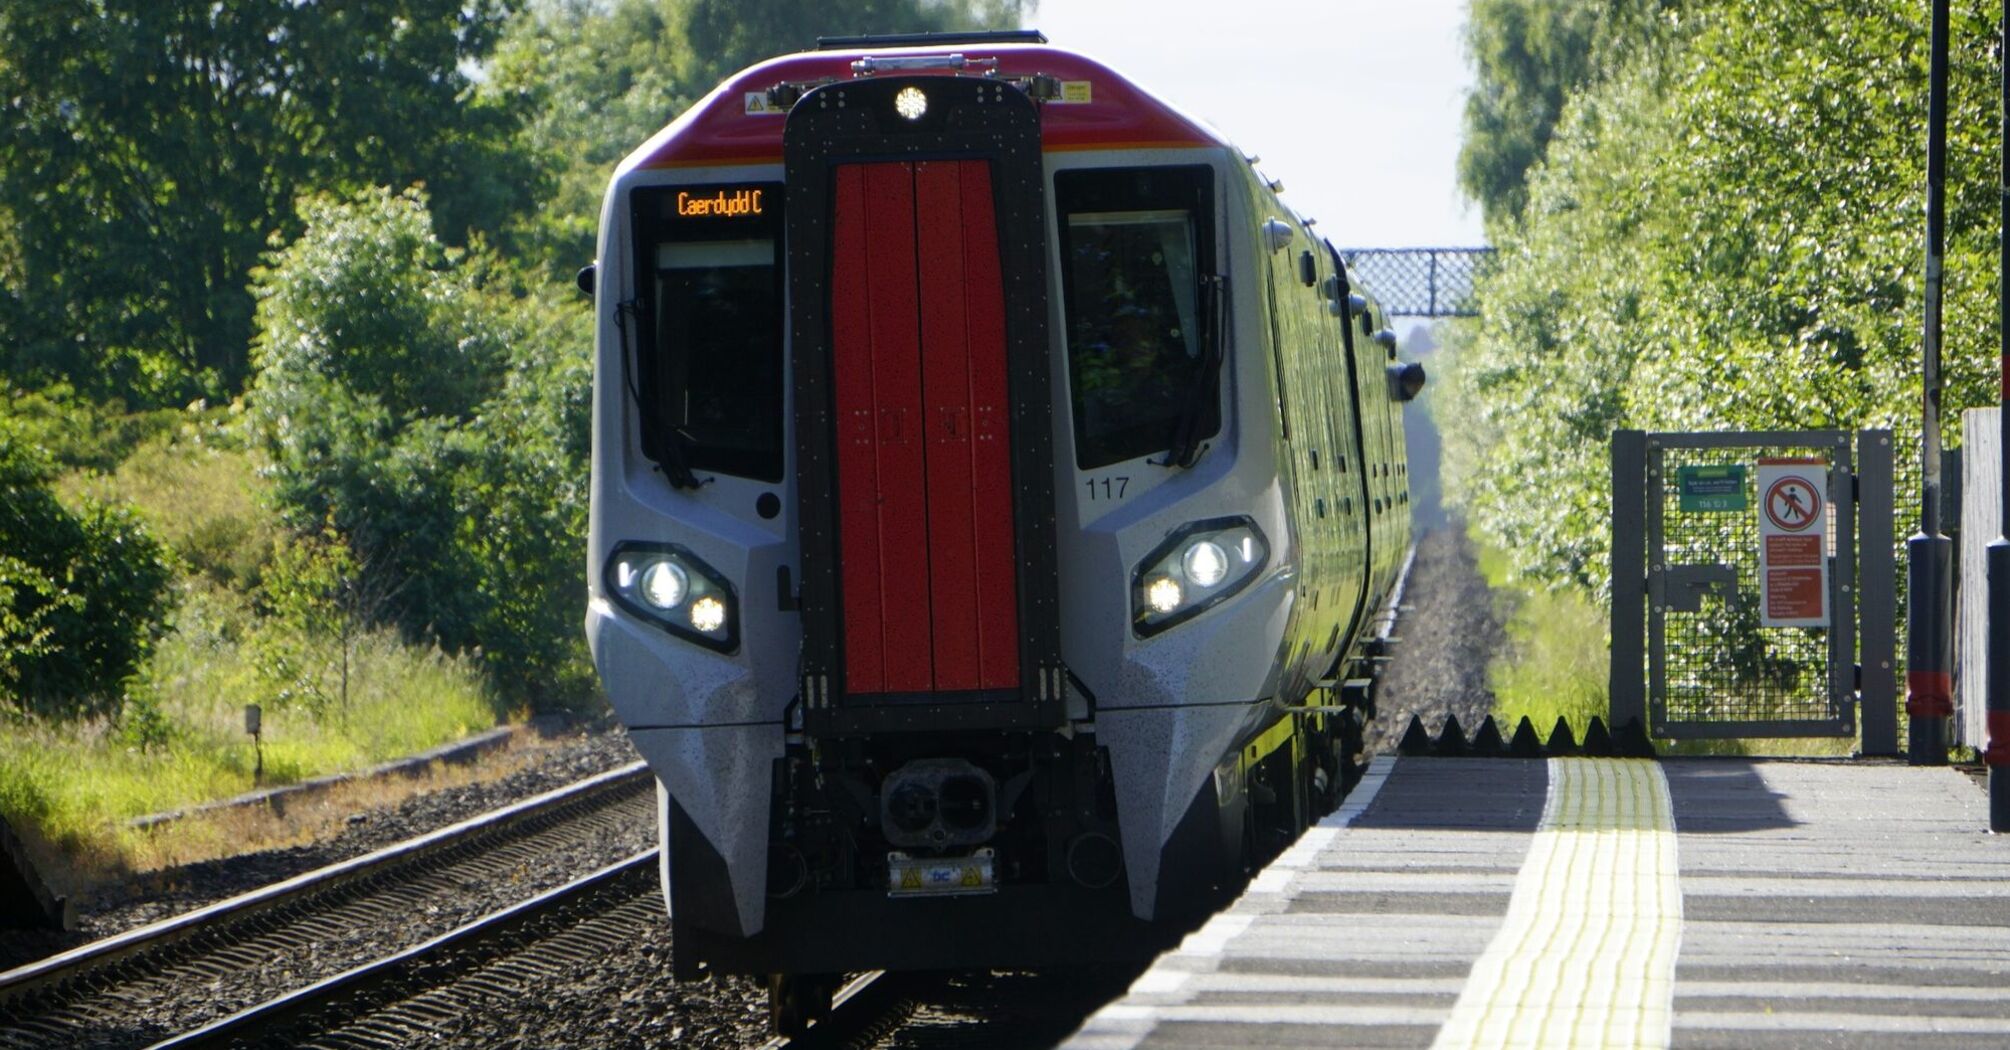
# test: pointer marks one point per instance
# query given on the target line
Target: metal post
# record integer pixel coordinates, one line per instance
(1877, 602)
(1929, 677)
(1627, 682)
(1997, 755)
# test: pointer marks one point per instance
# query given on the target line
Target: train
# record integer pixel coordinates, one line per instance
(997, 497)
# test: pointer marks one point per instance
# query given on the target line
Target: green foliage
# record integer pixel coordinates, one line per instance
(1530, 56)
(594, 79)
(82, 594)
(76, 433)
(372, 303)
(1723, 234)
(316, 608)
(442, 436)
(180, 739)
(199, 489)
(150, 146)
(725, 36)
(1555, 663)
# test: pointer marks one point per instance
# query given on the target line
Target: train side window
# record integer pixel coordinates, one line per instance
(1136, 245)
(709, 367)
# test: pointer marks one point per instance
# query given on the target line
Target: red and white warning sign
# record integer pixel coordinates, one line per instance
(1793, 543)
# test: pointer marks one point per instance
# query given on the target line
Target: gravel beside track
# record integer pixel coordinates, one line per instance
(158, 895)
(472, 990)
(190, 984)
(1446, 635)
(594, 972)
(1008, 1011)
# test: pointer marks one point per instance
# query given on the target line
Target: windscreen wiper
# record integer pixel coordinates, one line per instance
(675, 460)
(1206, 392)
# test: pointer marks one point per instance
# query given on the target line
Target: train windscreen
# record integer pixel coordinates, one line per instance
(712, 378)
(1135, 246)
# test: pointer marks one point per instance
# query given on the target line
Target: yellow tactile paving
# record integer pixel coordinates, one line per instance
(1586, 955)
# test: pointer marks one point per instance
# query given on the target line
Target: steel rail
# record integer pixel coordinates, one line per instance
(27, 981)
(869, 1007)
(290, 1010)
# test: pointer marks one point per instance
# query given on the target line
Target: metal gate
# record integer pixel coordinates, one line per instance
(1701, 648)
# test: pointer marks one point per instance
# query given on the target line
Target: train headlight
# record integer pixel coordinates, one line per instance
(664, 584)
(1204, 562)
(708, 614)
(1197, 567)
(672, 588)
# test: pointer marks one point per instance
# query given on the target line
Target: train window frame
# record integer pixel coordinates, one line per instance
(1099, 191)
(676, 228)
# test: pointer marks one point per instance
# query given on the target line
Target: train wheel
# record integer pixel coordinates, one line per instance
(796, 1000)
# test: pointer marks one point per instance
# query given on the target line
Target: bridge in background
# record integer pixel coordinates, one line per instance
(1421, 282)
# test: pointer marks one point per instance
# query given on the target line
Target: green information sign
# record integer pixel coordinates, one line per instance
(1712, 488)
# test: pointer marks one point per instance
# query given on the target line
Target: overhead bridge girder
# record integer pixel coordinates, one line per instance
(1420, 282)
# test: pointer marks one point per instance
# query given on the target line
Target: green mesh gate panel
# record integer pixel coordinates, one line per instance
(1714, 670)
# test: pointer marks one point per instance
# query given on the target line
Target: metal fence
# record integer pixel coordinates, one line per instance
(1691, 655)
(1421, 282)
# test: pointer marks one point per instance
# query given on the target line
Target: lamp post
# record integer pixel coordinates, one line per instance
(1929, 555)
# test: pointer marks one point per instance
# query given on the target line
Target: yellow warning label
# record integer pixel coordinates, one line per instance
(1074, 91)
(910, 879)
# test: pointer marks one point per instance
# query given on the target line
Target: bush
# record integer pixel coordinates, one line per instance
(83, 596)
(200, 491)
(441, 435)
(76, 433)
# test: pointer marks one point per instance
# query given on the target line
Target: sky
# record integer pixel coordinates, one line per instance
(1354, 104)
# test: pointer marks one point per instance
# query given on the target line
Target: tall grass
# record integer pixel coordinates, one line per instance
(200, 490)
(1557, 661)
(181, 738)
(1555, 664)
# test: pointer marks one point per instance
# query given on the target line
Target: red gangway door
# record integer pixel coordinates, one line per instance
(925, 515)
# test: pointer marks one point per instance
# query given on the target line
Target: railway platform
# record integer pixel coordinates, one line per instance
(1580, 902)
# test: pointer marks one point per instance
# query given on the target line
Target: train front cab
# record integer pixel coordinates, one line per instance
(941, 707)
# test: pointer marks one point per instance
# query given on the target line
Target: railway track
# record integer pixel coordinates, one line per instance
(186, 972)
(426, 993)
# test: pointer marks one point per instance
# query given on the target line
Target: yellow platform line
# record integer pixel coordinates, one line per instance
(1586, 955)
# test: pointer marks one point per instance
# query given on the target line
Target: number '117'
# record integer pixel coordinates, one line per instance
(1108, 488)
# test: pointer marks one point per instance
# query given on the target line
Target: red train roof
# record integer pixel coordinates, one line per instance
(726, 127)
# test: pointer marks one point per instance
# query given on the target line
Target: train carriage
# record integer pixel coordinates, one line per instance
(995, 486)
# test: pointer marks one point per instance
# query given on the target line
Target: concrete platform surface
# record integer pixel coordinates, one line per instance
(1607, 903)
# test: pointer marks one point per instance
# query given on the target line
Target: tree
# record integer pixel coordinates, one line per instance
(1725, 234)
(428, 417)
(595, 80)
(151, 146)
(83, 595)
(725, 36)
(1529, 58)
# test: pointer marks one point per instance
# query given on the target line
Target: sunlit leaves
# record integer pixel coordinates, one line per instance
(151, 146)
(1726, 234)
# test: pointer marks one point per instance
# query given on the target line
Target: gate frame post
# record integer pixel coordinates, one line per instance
(1878, 595)
(1627, 679)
